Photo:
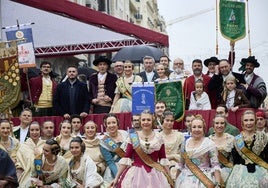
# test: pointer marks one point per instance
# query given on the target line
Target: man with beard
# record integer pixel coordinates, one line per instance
(255, 86)
(215, 85)
(179, 73)
(48, 130)
(189, 84)
(41, 89)
(149, 74)
(71, 96)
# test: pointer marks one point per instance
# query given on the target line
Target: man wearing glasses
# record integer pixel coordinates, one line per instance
(119, 68)
(42, 89)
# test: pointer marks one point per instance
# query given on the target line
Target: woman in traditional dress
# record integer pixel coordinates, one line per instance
(161, 71)
(92, 143)
(49, 169)
(112, 146)
(250, 156)
(146, 148)
(27, 152)
(172, 140)
(8, 143)
(123, 93)
(224, 143)
(82, 169)
(64, 139)
(199, 166)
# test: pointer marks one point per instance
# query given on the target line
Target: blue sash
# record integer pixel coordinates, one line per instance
(38, 166)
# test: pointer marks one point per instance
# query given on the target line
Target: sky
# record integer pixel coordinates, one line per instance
(195, 37)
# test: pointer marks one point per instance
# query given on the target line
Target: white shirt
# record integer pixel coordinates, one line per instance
(23, 134)
(230, 99)
(149, 76)
(248, 78)
(101, 77)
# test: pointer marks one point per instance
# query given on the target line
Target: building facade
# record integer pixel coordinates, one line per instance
(140, 12)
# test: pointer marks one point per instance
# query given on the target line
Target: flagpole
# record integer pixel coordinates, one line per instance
(217, 29)
(18, 25)
(249, 43)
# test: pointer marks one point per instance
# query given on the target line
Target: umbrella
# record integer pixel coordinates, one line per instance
(137, 53)
(86, 71)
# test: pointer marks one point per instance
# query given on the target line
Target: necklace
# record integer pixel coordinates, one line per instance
(248, 139)
(146, 139)
(51, 164)
(147, 144)
(5, 142)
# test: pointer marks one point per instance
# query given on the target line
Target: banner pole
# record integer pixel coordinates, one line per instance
(217, 29)
(20, 25)
(29, 89)
(232, 43)
(249, 42)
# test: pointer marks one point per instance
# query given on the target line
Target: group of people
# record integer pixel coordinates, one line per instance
(106, 92)
(142, 156)
(151, 153)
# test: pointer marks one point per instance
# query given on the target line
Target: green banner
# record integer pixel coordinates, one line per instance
(232, 20)
(172, 94)
(9, 77)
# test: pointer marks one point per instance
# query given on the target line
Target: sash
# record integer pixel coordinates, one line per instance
(147, 159)
(248, 153)
(196, 171)
(111, 144)
(124, 88)
(38, 165)
(223, 160)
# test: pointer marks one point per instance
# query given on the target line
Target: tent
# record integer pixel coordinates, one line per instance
(62, 27)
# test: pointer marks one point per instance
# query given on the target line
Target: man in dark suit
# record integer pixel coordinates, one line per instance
(149, 75)
(216, 82)
(71, 96)
(102, 86)
(21, 132)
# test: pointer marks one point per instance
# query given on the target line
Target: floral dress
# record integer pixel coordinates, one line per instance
(12, 150)
(138, 174)
(225, 149)
(205, 157)
(25, 157)
(55, 177)
(111, 157)
(172, 149)
(246, 173)
(86, 174)
(124, 104)
(65, 149)
(93, 151)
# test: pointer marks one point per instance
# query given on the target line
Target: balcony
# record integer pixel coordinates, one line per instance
(138, 16)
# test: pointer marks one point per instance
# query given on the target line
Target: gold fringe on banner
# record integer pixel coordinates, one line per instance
(9, 75)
